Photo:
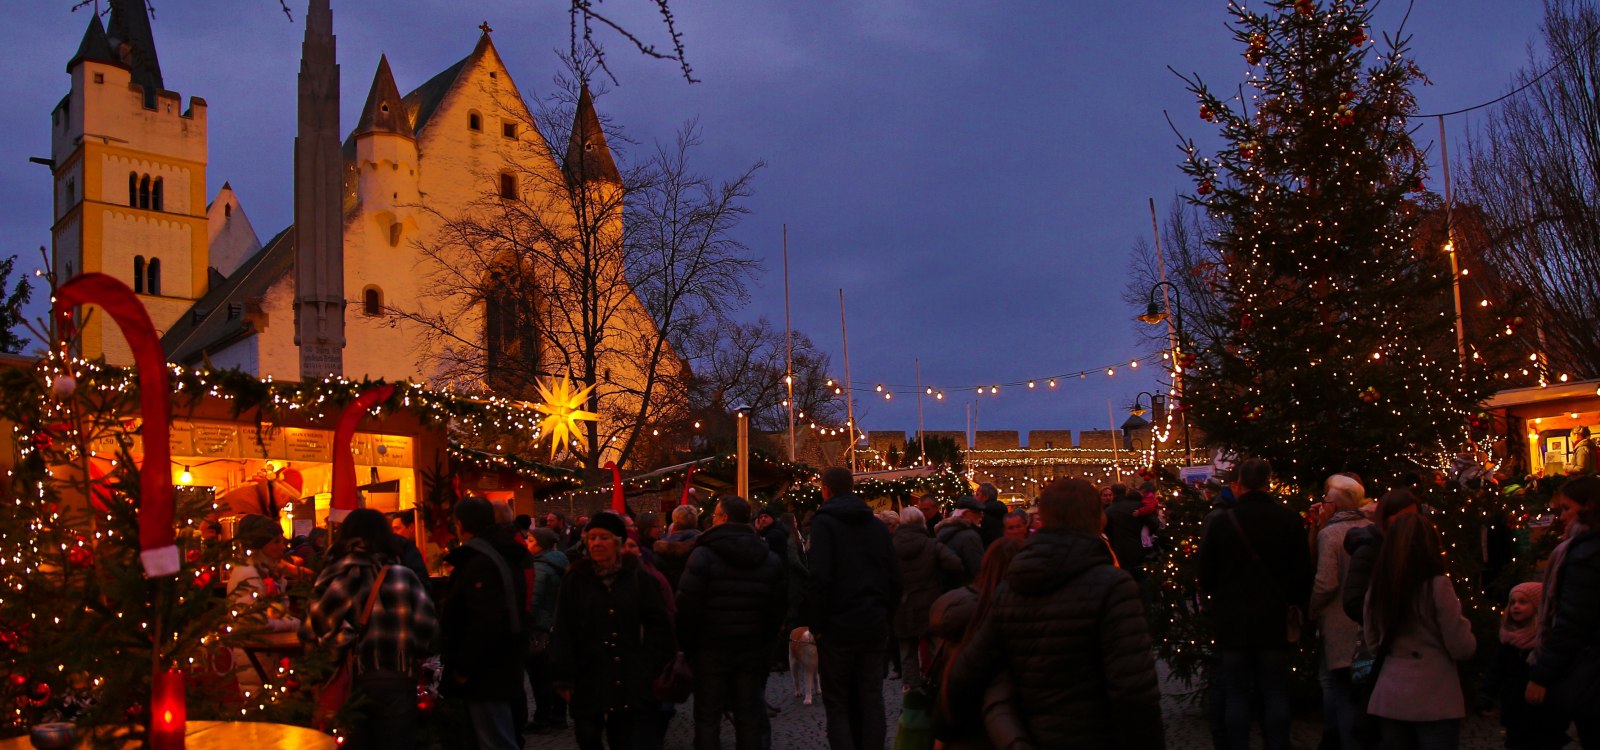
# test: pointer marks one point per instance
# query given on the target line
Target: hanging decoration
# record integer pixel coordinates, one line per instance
(345, 495)
(563, 408)
(157, 538)
(619, 498)
(688, 485)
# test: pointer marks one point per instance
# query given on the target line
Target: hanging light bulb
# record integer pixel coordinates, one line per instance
(185, 477)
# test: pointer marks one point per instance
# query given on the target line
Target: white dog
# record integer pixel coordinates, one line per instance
(803, 663)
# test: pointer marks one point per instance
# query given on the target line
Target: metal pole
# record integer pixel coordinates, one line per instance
(922, 443)
(1116, 465)
(1450, 246)
(849, 388)
(742, 482)
(788, 342)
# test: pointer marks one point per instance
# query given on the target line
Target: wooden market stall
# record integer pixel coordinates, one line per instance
(1538, 421)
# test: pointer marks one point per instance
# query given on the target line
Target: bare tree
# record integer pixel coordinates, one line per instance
(1534, 170)
(737, 363)
(568, 266)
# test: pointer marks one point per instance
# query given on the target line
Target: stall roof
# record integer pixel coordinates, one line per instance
(1556, 392)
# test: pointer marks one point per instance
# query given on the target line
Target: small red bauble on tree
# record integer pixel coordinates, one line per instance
(39, 694)
(203, 579)
(1257, 48)
(1247, 150)
(79, 557)
(1346, 118)
(1207, 114)
(1305, 8)
(1253, 413)
(1204, 188)
(1371, 395)
(1359, 38)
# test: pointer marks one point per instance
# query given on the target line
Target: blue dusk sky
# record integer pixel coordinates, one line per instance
(973, 175)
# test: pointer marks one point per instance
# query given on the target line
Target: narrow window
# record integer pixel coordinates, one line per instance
(227, 210)
(152, 282)
(508, 186)
(138, 274)
(144, 191)
(372, 301)
(475, 122)
(157, 198)
(72, 192)
(133, 190)
(508, 129)
(99, 78)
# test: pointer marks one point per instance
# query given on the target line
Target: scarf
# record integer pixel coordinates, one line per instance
(1552, 572)
(1524, 638)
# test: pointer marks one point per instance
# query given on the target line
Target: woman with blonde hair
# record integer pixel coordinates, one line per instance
(1345, 497)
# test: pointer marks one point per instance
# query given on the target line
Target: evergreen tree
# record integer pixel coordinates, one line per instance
(1333, 330)
(11, 304)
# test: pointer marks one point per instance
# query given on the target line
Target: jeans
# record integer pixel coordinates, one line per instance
(911, 663)
(731, 680)
(1251, 678)
(1421, 735)
(598, 731)
(493, 724)
(388, 711)
(852, 688)
(1338, 704)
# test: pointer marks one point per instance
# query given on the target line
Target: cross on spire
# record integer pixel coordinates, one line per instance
(485, 27)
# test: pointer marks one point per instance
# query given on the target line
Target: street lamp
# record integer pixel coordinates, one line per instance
(1136, 412)
(1153, 315)
(741, 412)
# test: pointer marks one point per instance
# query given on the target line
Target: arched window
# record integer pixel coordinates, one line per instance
(133, 190)
(138, 274)
(227, 210)
(475, 122)
(156, 197)
(508, 186)
(144, 191)
(372, 301)
(152, 273)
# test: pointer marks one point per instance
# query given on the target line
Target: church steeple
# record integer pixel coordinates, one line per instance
(385, 111)
(318, 209)
(94, 47)
(588, 156)
(133, 43)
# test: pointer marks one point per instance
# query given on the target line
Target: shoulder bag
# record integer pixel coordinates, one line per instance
(335, 692)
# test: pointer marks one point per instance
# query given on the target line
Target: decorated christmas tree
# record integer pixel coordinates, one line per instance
(1331, 345)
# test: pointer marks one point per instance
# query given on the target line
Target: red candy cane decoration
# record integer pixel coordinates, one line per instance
(345, 495)
(158, 549)
(619, 499)
(688, 486)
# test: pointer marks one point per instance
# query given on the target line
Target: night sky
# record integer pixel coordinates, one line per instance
(973, 175)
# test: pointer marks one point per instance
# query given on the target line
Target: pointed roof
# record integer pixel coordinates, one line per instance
(218, 318)
(385, 111)
(134, 43)
(424, 99)
(588, 156)
(94, 47)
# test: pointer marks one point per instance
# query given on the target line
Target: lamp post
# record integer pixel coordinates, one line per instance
(1154, 315)
(741, 413)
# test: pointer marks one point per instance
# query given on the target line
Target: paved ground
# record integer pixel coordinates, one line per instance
(801, 727)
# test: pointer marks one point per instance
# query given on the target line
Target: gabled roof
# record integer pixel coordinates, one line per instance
(94, 47)
(425, 99)
(588, 156)
(214, 322)
(384, 112)
(134, 43)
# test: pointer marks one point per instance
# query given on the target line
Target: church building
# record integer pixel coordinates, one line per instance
(318, 297)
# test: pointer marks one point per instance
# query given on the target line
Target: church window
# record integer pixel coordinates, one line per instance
(394, 233)
(72, 192)
(133, 189)
(152, 272)
(475, 121)
(372, 301)
(227, 210)
(99, 78)
(138, 274)
(510, 332)
(508, 186)
(144, 191)
(508, 129)
(157, 199)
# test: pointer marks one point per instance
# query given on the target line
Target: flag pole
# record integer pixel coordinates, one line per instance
(849, 388)
(788, 342)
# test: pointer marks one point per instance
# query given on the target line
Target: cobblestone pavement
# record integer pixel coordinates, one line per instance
(801, 727)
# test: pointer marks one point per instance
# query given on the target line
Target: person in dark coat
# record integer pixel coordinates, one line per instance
(483, 625)
(931, 514)
(672, 550)
(1255, 562)
(923, 564)
(612, 637)
(1570, 614)
(1123, 528)
(772, 531)
(731, 602)
(855, 588)
(1069, 630)
(960, 533)
(404, 525)
(994, 514)
(549, 567)
(1363, 544)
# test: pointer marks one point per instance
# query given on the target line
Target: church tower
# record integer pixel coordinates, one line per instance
(129, 167)
(319, 297)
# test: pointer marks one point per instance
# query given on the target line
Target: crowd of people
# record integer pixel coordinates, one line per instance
(1021, 629)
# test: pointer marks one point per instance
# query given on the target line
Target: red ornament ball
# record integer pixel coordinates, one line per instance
(1204, 187)
(79, 557)
(1305, 8)
(134, 711)
(203, 579)
(18, 680)
(192, 556)
(40, 694)
(1207, 114)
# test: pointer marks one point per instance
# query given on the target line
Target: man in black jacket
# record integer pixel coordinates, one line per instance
(994, 514)
(1255, 563)
(482, 622)
(731, 602)
(854, 589)
(1123, 528)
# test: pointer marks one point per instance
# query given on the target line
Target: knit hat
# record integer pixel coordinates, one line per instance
(548, 538)
(610, 522)
(257, 531)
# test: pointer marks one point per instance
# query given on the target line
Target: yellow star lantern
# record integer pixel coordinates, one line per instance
(563, 409)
